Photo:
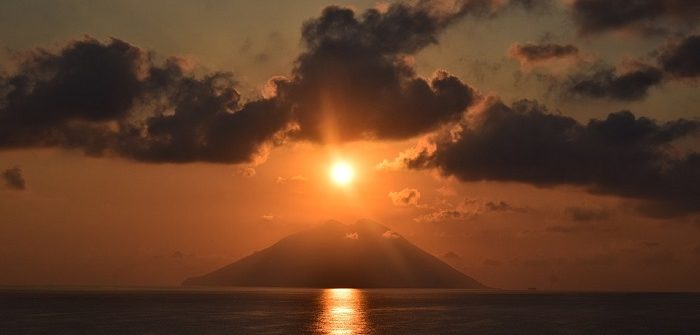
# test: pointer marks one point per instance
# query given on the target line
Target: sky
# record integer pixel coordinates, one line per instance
(528, 143)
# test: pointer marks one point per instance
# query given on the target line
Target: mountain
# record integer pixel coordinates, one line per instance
(362, 255)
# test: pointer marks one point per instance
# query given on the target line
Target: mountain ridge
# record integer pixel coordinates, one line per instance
(365, 254)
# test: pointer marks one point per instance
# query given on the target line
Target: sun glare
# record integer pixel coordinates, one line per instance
(342, 173)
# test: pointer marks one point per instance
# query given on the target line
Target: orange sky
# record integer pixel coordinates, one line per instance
(115, 221)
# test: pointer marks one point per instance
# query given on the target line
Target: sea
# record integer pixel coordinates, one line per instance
(342, 311)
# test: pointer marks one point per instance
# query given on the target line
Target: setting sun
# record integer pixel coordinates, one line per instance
(350, 167)
(342, 173)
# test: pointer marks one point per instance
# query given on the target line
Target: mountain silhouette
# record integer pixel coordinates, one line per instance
(361, 255)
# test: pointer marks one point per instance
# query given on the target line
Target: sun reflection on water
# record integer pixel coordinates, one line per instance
(343, 312)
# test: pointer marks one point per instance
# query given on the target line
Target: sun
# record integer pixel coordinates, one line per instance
(342, 173)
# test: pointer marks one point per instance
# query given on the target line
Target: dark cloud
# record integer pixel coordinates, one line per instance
(678, 59)
(682, 59)
(86, 80)
(610, 83)
(14, 179)
(597, 16)
(356, 79)
(203, 122)
(529, 52)
(115, 98)
(582, 214)
(530, 4)
(622, 154)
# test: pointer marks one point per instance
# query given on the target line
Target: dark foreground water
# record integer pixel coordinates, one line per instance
(343, 311)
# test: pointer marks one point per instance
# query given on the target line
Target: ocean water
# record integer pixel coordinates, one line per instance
(342, 311)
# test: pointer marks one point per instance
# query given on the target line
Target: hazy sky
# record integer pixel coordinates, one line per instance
(549, 144)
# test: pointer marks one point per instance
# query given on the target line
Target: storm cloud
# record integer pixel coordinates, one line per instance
(354, 79)
(610, 83)
(682, 59)
(621, 154)
(598, 16)
(115, 98)
(530, 53)
(677, 60)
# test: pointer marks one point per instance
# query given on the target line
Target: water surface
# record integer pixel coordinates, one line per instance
(342, 311)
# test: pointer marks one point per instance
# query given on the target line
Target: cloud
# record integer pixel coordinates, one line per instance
(391, 235)
(468, 210)
(293, 179)
(14, 179)
(114, 98)
(615, 84)
(682, 59)
(354, 79)
(406, 197)
(582, 214)
(500, 206)
(530, 4)
(529, 54)
(247, 171)
(446, 215)
(632, 80)
(352, 236)
(423, 147)
(622, 154)
(644, 16)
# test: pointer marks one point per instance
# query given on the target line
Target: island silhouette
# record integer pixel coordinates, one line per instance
(365, 254)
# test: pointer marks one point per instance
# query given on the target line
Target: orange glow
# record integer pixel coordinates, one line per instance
(342, 173)
(343, 312)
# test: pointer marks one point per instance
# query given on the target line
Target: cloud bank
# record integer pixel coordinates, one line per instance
(529, 53)
(354, 80)
(115, 98)
(621, 154)
(643, 16)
